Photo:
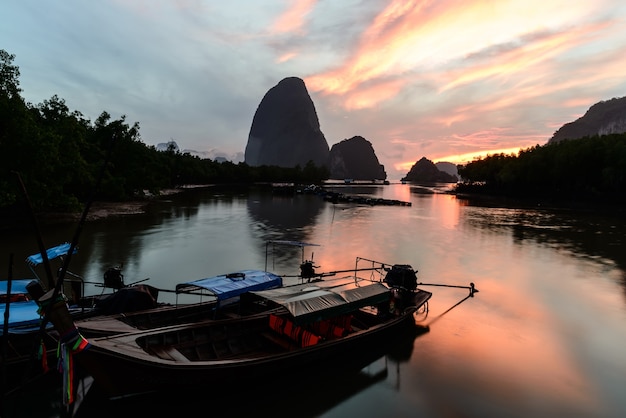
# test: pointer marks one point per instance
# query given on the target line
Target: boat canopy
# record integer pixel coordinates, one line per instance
(230, 285)
(21, 314)
(52, 253)
(17, 286)
(313, 302)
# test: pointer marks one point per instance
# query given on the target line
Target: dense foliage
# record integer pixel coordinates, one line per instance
(59, 155)
(590, 168)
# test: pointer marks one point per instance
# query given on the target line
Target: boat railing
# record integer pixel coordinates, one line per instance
(377, 269)
(73, 288)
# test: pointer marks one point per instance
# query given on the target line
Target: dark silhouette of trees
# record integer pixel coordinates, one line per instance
(590, 168)
(59, 154)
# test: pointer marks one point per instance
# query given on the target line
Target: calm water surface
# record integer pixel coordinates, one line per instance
(545, 335)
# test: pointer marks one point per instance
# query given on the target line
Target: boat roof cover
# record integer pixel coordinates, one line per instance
(312, 302)
(17, 286)
(21, 314)
(234, 284)
(52, 253)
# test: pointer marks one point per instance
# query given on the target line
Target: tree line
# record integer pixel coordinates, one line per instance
(591, 169)
(59, 154)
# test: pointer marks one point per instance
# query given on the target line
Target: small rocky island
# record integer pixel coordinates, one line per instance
(355, 159)
(425, 171)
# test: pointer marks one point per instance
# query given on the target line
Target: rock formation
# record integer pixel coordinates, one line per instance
(603, 118)
(285, 129)
(355, 159)
(425, 171)
(449, 168)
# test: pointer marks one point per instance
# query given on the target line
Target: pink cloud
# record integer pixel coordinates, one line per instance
(293, 19)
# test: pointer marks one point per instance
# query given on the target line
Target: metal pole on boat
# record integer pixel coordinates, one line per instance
(49, 312)
(5, 328)
(66, 261)
(472, 288)
(83, 218)
(42, 247)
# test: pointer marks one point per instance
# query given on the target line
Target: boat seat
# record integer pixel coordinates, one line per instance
(299, 335)
(333, 328)
(278, 340)
(168, 353)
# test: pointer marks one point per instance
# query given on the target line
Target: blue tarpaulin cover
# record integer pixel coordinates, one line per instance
(54, 252)
(234, 284)
(21, 313)
(17, 286)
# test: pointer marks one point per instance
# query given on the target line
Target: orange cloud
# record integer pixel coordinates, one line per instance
(367, 97)
(408, 37)
(287, 56)
(522, 58)
(292, 20)
(461, 158)
(470, 156)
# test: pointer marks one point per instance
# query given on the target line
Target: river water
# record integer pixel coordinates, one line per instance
(544, 336)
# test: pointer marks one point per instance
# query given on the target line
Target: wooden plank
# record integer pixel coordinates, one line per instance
(283, 342)
(105, 324)
(169, 353)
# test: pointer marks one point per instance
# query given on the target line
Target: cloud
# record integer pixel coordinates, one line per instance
(415, 78)
(293, 19)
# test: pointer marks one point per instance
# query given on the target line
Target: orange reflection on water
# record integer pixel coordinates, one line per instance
(506, 360)
(448, 214)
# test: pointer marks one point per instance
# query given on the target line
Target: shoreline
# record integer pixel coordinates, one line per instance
(98, 210)
(104, 209)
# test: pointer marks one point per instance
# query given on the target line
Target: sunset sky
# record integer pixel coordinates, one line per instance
(446, 80)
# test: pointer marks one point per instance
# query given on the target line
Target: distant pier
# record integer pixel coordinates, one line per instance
(336, 197)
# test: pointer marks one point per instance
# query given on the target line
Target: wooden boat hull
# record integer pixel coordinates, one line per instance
(223, 355)
(168, 376)
(21, 362)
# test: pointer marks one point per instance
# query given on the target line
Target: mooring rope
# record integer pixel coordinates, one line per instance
(449, 309)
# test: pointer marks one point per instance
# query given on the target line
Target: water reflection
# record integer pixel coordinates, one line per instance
(277, 217)
(544, 337)
(600, 238)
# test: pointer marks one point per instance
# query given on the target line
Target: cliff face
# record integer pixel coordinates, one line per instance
(603, 118)
(285, 129)
(449, 168)
(426, 171)
(355, 159)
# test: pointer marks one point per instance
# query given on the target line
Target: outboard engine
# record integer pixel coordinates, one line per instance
(403, 276)
(307, 270)
(114, 278)
(402, 280)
